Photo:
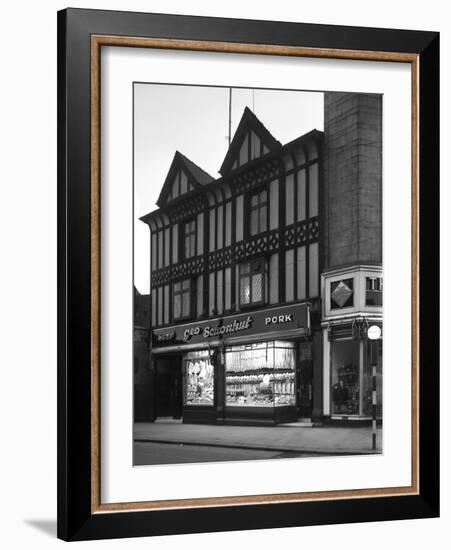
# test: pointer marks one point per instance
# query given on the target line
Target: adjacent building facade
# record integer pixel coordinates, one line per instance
(264, 280)
(142, 379)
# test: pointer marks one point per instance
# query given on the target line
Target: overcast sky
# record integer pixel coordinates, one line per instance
(194, 120)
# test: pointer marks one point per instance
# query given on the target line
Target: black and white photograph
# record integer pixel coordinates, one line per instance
(258, 276)
(225, 299)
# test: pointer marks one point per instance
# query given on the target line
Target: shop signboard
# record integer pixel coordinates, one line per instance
(281, 319)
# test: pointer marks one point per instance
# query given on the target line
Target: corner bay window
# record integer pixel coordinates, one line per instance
(252, 282)
(189, 239)
(373, 296)
(182, 299)
(258, 212)
(260, 375)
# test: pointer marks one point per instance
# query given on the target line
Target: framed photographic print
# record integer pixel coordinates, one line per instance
(248, 274)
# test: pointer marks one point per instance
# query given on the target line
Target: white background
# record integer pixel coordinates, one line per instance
(28, 277)
(120, 482)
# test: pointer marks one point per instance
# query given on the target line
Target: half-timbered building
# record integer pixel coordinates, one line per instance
(237, 281)
(235, 275)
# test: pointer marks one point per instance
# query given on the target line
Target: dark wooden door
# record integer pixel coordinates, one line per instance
(169, 398)
(305, 388)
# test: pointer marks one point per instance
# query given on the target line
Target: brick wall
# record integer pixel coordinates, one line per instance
(352, 179)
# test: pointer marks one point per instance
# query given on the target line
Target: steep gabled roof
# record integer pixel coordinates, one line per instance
(196, 175)
(248, 123)
(200, 176)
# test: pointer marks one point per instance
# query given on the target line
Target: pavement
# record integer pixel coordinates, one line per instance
(147, 453)
(327, 440)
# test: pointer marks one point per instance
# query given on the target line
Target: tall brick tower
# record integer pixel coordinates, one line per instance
(353, 176)
(352, 250)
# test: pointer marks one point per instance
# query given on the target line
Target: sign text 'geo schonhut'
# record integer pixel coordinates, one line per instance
(256, 322)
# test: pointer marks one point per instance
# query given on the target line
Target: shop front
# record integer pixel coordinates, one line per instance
(242, 369)
(352, 305)
(351, 358)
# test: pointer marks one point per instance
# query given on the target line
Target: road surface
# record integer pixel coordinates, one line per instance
(146, 453)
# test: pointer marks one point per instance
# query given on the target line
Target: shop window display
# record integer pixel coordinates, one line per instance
(260, 375)
(345, 377)
(199, 379)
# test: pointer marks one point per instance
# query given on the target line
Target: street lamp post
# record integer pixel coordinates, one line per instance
(374, 333)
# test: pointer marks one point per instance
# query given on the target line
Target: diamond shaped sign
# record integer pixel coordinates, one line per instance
(341, 294)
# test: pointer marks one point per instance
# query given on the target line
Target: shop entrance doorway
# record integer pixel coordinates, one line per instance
(305, 389)
(304, 379)
(168, 387)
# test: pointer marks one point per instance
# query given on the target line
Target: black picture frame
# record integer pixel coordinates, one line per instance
(76, 519)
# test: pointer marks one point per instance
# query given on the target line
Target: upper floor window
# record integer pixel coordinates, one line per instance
(258, 212)
(252, 282)
(182, 299)
(373, 295)
(189, 239)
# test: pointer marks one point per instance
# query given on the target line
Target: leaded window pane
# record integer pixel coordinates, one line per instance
(257, 287)
(252, 282)
(245, 290)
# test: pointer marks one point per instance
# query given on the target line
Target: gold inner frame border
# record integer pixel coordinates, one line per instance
(97, 41)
